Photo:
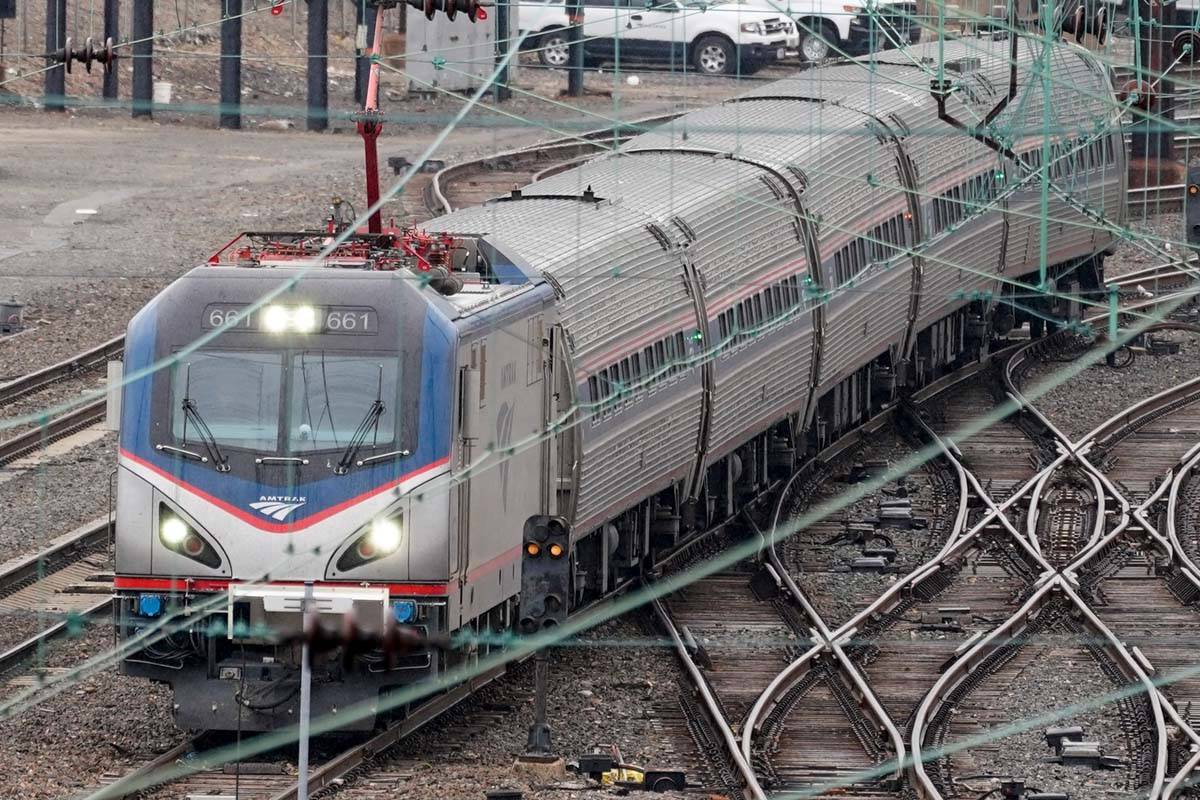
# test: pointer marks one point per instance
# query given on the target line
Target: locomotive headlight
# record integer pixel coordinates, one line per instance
(275, 319)
(384, 537)
(173, 531)
(180, 537)
(379, 539)
(304, 319)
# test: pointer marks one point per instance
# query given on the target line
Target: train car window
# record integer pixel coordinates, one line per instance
(681, 348)
(236, 394)
(332, 393)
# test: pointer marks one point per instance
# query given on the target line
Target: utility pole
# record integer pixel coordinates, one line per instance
(231, 66)
(500, 88)
(318, 65)
(364, 18)
(575, 37)
(56, 39)
(143, 57)
(1152, 147)
(112, 30)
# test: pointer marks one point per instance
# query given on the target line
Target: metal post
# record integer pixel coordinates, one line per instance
(305, 700)
(501, 89)
(1113, 303)
(143, 57)
(56, 39)
(364, 16)
(575, 37)
(112, 30)
(1152, 138)
(231, 66)
(537, 747)
(318, 65)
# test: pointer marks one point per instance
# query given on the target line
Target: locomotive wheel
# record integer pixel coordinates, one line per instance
(714, 56)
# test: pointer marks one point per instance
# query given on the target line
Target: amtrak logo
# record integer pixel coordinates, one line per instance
(278, 507)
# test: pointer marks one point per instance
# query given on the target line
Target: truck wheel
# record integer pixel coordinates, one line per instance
(815, 44)
(713, 55)
(553, 49)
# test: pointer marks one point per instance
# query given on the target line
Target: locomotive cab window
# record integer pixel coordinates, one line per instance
(333, 394)
(236, 394)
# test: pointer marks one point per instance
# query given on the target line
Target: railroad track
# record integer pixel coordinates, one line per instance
(69, 368)
(67, 581)
(72, 420)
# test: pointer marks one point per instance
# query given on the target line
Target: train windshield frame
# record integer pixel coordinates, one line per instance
(298, 400)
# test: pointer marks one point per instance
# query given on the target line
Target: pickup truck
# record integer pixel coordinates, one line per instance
(668, 31)
(712, 38)
(850, 27)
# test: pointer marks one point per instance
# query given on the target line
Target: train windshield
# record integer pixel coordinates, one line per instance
(294, 401)
(236, 395)
(333, 395)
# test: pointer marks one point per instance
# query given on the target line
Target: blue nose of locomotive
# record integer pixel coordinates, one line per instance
(296, 423)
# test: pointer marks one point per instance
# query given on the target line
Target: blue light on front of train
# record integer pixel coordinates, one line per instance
(404, 611)
(150, 605)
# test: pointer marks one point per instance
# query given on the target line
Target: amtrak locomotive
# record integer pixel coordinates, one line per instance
(632, 345)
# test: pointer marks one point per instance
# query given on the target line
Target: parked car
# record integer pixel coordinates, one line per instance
(711, 38)
(835, 27)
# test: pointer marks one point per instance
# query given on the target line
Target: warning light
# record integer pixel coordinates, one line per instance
(556, 550)
(277, 8)
(533, 549)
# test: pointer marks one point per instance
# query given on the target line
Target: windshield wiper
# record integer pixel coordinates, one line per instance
(206, 435)
(369, 421)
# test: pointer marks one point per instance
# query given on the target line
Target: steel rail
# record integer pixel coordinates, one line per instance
(1001, 636)
(69, 422)
(711, 706)
(84, 540)
(80, 362)
(333, 770)
(787, 678)
(594, 139)
(117, 789)
(19, 653)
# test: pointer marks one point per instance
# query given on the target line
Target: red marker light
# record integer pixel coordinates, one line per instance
(481, 14)
(277, 8)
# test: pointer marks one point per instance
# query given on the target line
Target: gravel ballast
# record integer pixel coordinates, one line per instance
(55, 495)
(1081, 402)
(1053, 677)
(105, 724)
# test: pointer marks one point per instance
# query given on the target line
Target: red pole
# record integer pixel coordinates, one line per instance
(369, 127)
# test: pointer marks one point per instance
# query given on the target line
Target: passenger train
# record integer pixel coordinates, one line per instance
(633, 344)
